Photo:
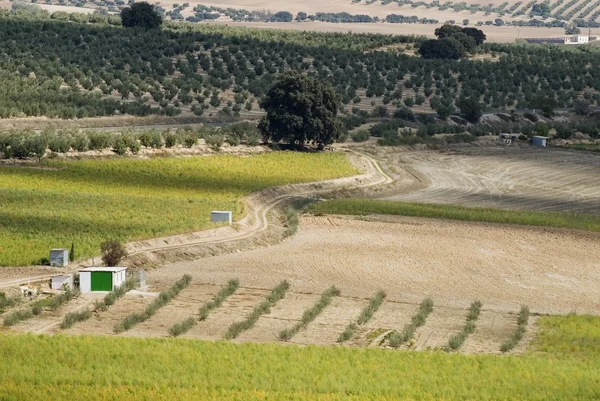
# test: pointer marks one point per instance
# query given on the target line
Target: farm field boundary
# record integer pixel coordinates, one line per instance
(362, 207)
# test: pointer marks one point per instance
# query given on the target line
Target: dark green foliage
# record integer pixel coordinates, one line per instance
(522, 320)
(300, 110)
(397, 339)
(72, 252)
(261, 309)
(74, 317)
(142, 15)
(546, 104)
(470, 108)
(310, 314)
(112, 252)
(457, 340)
(365, 315)
(445, 49)
(163, 299)
(360, 136)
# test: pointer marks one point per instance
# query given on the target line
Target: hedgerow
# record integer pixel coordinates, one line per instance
(75, 317)
(52, 303)
(184, 326)
(365, 315)
(397, 339)
(261, 309)
(163, 299)
(522, 320)
(457, 340)
(310, 314)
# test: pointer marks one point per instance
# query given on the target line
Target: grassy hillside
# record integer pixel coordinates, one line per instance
(87, 202)
(370, 206)
(100, 368)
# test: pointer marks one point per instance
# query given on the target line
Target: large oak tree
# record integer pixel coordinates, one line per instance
(300, 110)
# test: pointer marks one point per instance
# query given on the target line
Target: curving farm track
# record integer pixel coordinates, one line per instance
(259, 204)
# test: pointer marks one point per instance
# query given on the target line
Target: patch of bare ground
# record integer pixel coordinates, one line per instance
(235, 308)
(454, 262)
(104, 322)
(505, 177)
(183, 306)
(49, 321)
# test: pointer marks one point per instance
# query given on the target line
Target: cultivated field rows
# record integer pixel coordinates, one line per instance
(493, 327)
(505, 177)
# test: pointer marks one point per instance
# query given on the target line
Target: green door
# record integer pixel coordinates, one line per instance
(102, 281)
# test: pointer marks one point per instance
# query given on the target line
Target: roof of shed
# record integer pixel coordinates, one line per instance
(103, 269)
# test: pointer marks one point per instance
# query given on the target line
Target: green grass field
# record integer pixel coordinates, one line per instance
(363, 207)
(89, 201)
(114, 368)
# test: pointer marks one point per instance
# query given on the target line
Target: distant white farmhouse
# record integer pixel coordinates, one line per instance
(563, 40)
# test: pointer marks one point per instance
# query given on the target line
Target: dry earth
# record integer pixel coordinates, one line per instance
(506, 177)
(552, 271)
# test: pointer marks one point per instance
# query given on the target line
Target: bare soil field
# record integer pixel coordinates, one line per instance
(520, 178)
(553, 271)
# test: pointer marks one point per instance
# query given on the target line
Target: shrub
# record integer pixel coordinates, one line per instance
(218, 299)
(171, 139)
(74, 317)
(112, 252)
(360, 136)
(261, 309)
(183, 327)
(100, 140)
(232, 286)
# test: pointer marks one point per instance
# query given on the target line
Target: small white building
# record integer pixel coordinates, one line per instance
(540, 141)
(218, 216)
(101, 279)
(59, 257)
(563, 40)
(62, 281)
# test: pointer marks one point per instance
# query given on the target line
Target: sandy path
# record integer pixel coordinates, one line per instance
(259, 204)
(504, 177)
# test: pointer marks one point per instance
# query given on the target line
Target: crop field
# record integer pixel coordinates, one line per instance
(95, 368)
(546, 180)
(362, 207)
(89, 201)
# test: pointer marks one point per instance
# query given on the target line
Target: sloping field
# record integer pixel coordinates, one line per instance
(562, 365)
(505, 178)
(550, 270)
(87, 202)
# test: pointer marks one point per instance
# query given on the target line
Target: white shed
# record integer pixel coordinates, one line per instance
(217, 216)
(59, 257)
(101, 279)
(60, 281)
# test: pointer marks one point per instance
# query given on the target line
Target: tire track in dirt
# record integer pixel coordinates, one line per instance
(260, 204)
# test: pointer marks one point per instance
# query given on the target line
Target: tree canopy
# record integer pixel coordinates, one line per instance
(445, 48)
(454, 42)
(141, 15)
(300, 110)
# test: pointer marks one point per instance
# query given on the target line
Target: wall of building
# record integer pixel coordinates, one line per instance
(85, 282)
